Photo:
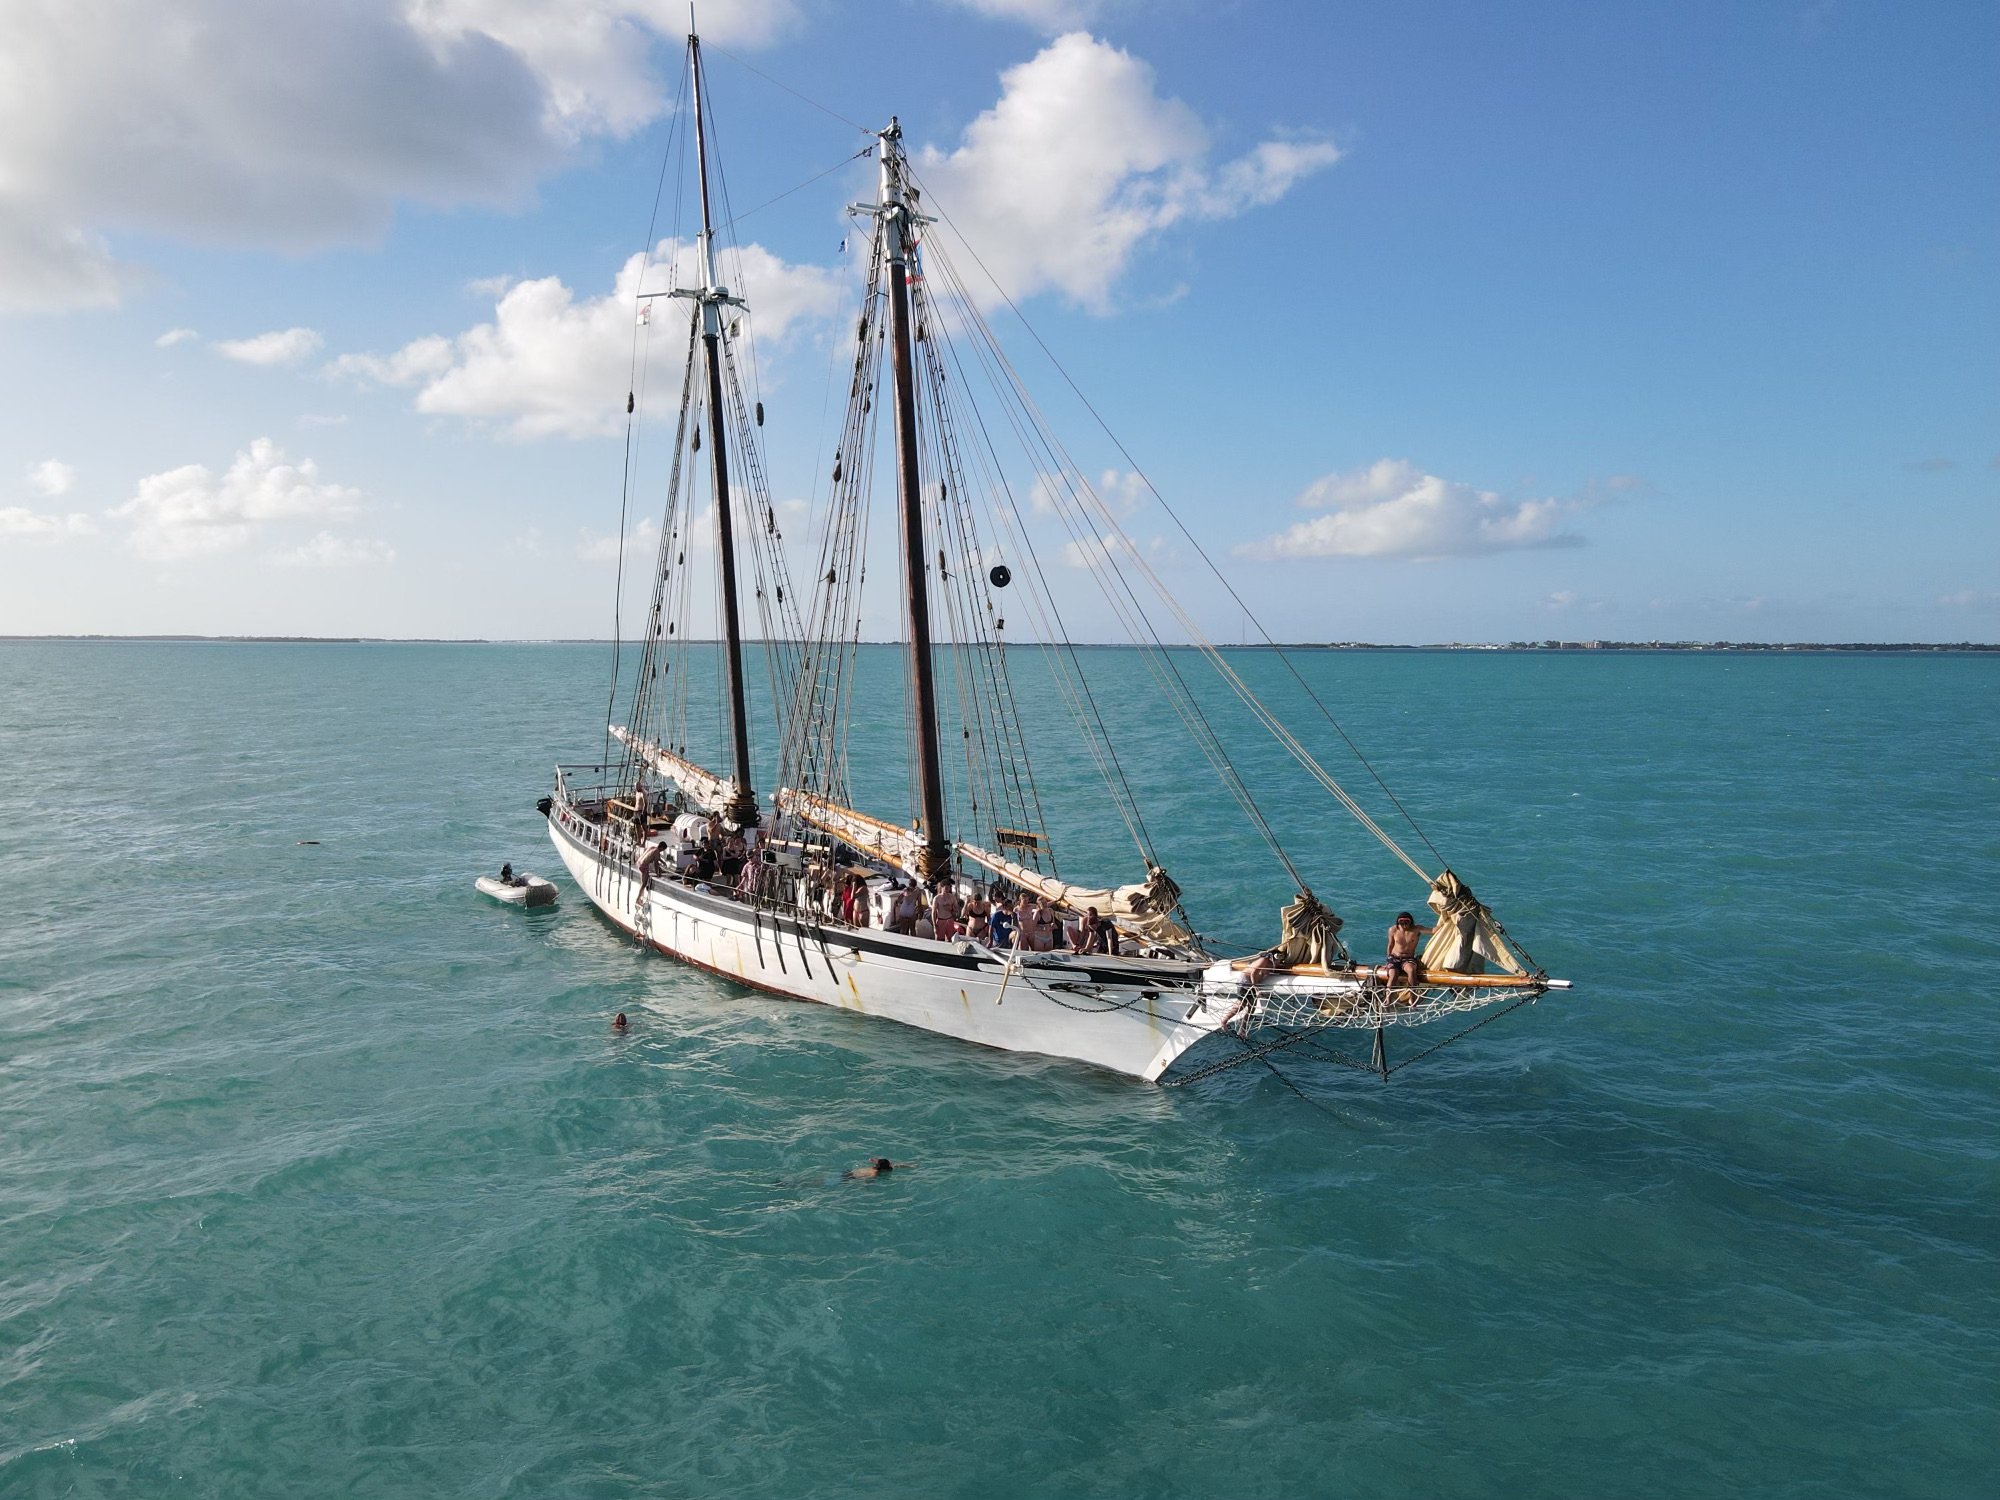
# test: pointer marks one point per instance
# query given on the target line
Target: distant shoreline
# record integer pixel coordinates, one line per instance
(1550, 646)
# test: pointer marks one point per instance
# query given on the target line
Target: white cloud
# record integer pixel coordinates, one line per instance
(1392, 509)
(188, 511)
(285, 346)
(174, 336)
(45, 266)
(1125, 491)
(1081, 162)
(1096, 551)
(1980, 599)
(329, 551)
(643, 541)
(1122, 490)
(1569, 601)
(592, 56)
(793, 518)
(409, 365)
(53, 477)
(551, 366)
(21, 524)
(299, 126)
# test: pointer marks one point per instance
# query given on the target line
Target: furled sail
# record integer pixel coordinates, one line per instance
(704, 789)
(901, 847)
(1466, 935)
(1145, 909)
(1311, 934)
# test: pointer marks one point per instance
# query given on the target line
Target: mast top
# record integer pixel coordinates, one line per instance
(710, 295)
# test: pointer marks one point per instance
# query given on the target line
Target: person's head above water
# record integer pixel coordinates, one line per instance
(619, 1023)
(883, 1164)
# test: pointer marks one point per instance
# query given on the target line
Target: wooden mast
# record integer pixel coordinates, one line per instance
(896, 224)
(712, 298)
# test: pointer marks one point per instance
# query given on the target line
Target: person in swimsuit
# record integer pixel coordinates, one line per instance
(1403, 950)
(944, 911)
(1027, 925)
(649, 862)
(1048, 927)
(875, 1168)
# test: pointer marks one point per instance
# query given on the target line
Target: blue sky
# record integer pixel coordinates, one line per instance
(1433, 322)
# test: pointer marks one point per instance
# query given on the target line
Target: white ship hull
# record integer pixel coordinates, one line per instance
(1131, 1016)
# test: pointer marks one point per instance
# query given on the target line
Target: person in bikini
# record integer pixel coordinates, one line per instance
(1021, 917)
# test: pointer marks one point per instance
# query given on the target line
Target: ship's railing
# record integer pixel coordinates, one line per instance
(569, 786)
(581, 810)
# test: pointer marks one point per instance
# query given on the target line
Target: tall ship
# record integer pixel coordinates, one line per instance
(951, 906)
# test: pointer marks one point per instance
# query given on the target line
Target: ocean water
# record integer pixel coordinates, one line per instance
(321, 1175)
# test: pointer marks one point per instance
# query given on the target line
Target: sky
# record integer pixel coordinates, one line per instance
(1428, 321)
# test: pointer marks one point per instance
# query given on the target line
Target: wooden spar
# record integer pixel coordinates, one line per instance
(936, 856)
(1440, 978)
(744, 810)
(901, 847)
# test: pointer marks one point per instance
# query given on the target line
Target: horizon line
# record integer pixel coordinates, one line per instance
(1547, 644)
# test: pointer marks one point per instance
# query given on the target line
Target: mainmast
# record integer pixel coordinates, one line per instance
(897, 222)
(712, 299)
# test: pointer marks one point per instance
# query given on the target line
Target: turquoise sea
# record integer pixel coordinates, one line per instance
(321, 1175)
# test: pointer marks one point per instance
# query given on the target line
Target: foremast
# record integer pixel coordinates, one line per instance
(898, 224)
(711, 298)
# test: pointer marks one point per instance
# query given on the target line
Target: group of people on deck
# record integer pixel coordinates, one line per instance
(712, 861)
(720, 857)
(1030, 922)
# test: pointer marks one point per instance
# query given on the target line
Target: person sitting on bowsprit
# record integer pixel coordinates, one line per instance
(1403, 950)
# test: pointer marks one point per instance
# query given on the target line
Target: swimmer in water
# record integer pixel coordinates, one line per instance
(619, 1023)
(875, 1168)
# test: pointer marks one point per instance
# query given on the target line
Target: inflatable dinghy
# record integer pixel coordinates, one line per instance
(522, 890)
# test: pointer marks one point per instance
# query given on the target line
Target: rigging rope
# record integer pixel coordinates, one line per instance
(802, 98)
(1197, 638)
(1035, 434)
(635, 368)
(828, 172)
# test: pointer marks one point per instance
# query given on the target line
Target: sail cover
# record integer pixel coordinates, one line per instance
(1466, 935)
(704, 789)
